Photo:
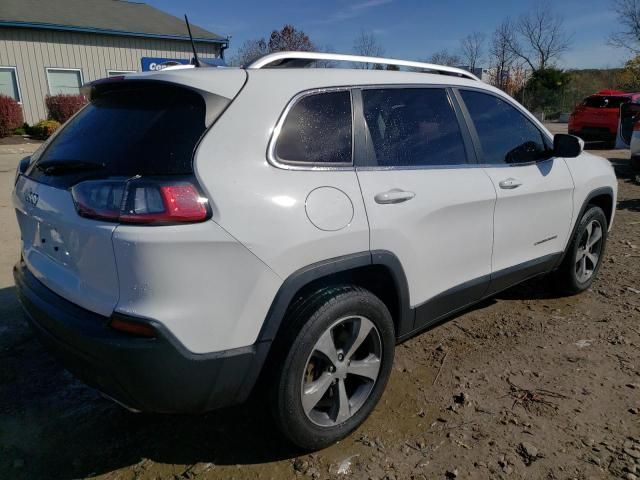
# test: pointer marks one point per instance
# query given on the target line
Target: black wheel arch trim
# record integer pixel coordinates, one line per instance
(306, 275)
(593, 194)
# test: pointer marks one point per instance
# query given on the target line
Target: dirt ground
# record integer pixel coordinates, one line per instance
(527, 385)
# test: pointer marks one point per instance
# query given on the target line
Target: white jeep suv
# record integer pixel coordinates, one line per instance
(191, 231)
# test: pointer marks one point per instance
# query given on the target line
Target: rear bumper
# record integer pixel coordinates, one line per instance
(152, 375)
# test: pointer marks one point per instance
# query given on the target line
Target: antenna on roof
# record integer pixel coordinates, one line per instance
(196, 60)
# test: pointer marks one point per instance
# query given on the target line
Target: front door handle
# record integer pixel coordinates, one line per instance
(510, 183)
(395, 195)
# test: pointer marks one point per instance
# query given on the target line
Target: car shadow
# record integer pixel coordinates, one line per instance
(53, 426)
(632, 205)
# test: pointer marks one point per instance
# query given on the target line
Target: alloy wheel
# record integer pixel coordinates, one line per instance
(589, 250)
(341, 371)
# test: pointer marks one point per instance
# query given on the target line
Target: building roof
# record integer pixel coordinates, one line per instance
(115, 17)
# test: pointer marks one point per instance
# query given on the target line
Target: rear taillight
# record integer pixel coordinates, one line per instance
(141, 201)
(636, 126)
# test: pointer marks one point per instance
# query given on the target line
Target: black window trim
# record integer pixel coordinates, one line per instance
(277, 162)
(470, 125)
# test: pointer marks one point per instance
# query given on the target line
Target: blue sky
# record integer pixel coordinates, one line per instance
(410, 29)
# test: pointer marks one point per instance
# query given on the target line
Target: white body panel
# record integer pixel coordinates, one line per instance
(443, 236)
(197, 280)
(262, 206)
(532, 219)
(71, 255)
(591, 173)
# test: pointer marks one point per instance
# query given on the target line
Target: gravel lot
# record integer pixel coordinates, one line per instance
(526, 385)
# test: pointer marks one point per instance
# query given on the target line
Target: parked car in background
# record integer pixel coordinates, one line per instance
(598, 116)
(629, 132)
(191, 231)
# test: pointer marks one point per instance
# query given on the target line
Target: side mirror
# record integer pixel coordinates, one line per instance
(567, 146)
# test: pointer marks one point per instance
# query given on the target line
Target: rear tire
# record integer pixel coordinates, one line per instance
(584, 253)
(635, 164)
(341, 346)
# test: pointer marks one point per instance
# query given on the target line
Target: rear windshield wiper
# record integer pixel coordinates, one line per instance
(59, 167)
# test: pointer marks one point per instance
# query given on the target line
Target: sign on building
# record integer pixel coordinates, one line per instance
(153, 64)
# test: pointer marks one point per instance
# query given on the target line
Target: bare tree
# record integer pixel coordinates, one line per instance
(444, 57)
(290, 39)
(367, 44)
(250, 51)
(540, 37)
(472, 48)
(629, 20)
(500, 53)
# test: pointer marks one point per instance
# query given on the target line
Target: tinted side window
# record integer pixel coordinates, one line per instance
(506, 135)
(413, 127)
(317, 130)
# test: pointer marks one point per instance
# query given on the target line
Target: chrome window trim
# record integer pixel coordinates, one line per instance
(273, 159)
(455, 167)
(307, 166)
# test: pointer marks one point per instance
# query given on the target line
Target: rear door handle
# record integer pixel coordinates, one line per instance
(510, 183)
(395, 195)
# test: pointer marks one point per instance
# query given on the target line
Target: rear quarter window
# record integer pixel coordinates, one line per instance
(317, 130)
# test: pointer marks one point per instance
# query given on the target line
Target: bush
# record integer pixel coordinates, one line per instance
(10, 115)
(62, 107)
(44, 129)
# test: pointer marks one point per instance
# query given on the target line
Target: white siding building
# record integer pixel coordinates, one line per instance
(49, 47)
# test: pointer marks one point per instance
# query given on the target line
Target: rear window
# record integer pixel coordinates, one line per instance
(131, 130)
(601, 101)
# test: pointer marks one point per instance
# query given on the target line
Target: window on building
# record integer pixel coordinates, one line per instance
(9, 83)
(317, 130)
(117, 73)
(413, 127)
(505, 134)
(67, 81)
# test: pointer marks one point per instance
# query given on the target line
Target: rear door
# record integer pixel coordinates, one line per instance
(425, 201)
(535, 190)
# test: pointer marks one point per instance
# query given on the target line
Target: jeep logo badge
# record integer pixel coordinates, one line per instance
(31, 197)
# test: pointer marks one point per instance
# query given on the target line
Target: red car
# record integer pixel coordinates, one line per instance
(598, 116)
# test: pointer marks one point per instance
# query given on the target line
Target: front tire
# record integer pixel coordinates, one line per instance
(340, 357)
(584, 254)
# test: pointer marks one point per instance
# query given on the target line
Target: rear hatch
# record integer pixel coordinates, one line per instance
(137, 130)
(601, 111)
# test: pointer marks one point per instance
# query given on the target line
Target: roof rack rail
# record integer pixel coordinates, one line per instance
(303, 59)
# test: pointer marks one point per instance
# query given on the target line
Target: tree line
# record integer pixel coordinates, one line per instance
(520, 56)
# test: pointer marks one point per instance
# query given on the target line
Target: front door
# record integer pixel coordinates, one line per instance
(424, 201)
(534, 207)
